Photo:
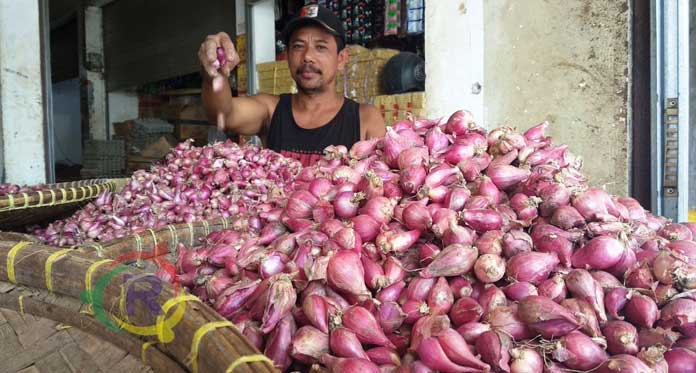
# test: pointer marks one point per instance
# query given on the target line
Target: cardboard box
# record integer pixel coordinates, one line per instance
(123, 129)
(160, 148)
(241, 46)
(184, 131)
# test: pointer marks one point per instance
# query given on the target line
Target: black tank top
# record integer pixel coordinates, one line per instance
(307, 145)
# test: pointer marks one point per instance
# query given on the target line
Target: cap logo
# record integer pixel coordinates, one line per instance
(309, 11)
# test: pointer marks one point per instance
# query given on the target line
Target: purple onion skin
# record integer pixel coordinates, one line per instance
(681, 360)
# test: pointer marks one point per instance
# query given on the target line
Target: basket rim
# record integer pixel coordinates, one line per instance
(57, 194)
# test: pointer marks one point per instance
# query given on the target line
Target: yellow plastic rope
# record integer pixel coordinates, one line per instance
(139, 249)
(206, 227)
(49, 266)
(53, 197)
(26, 200)
(99, 248)
(225, 223)
(74, 193)
(20, 300)
(65, 195)
(175, 236)
(165, 309)
(154, 237)
(88, 282)
(246, 360)
(192, 357)
(122, 302)
(190, 225)
(143, 351)
(10, 201)
(11, 259)
(41, 198)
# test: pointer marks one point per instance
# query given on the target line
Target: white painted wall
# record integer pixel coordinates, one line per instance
(94, 45)
(454, 57)
(21, 101)
(66, 121)
(263, 24)
(123, 105)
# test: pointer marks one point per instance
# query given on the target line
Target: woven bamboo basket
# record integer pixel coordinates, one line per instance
(146, 243)
(185, 335)
(58, 200)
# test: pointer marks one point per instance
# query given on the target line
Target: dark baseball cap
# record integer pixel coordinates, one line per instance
(315, 14)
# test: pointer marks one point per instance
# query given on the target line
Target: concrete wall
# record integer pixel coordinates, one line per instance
(454, 50)
(21, 97)
(566, 62)
(66, 121)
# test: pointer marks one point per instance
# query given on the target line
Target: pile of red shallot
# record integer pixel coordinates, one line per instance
(7, 188)
(443, 247)
(193, 183)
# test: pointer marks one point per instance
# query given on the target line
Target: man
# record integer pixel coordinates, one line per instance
(300, 125)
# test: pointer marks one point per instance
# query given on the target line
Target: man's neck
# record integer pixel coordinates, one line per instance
(313, 101)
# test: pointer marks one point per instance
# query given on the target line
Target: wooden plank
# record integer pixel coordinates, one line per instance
(25, 358)
(105, 354)
(78, 359)
(53, 363)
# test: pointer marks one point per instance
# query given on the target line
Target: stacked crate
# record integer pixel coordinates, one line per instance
(361, 80)
(397, 107)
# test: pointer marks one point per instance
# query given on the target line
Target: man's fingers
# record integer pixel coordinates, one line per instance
(211, 50)
(230, 50)
(226, 69)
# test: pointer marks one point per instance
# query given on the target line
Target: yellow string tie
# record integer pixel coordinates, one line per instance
(175, 236)
(20, 300)
(41, 198)
(10, 201)
(139, 249)
(99, 248)
(165, 309)
(74, 193)
(26, 200)
(225, 223)
(11, 259)
(143, 351)
(206, 227)
(154, 237)
(88, 283)
(65, 195)
(53, 197)
(190, 225)
(192, 357)
(122, 302)
(49, 266)
(246, 360)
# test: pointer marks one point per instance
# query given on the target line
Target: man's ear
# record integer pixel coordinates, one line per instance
(343, 57)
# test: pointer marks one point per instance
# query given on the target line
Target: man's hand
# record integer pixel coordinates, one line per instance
(207, 55)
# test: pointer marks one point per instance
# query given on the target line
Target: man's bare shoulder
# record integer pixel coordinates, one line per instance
(371, 122)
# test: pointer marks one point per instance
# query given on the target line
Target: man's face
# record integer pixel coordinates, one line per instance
(313, 59)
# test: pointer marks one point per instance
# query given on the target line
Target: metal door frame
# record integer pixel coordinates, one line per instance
(670, 101)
